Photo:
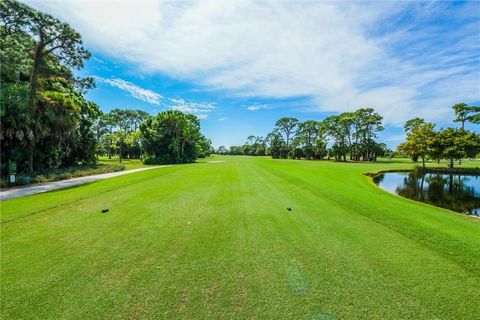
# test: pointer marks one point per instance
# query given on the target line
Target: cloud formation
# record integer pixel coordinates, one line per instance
(256, 107)
(134, 90)
(394, 56)
(199, 109)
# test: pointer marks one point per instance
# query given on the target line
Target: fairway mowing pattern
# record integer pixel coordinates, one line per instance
(216, 241)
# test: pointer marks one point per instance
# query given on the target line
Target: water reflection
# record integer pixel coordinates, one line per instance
(457, 192)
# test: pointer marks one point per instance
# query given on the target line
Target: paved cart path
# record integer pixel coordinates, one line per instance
(48, 186)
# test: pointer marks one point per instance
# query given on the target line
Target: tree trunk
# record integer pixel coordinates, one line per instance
(98, 142)
(34, 76)
(30, 160)
(451, 163)
(423, 161)
(33, 92)
(121, 152)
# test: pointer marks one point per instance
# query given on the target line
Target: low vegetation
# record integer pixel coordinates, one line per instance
(76, 171)
(67, 173)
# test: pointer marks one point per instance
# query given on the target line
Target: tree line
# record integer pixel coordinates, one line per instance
(46, 121)
(117, 133)
(169, 137)
(425, 142)
(351, 135)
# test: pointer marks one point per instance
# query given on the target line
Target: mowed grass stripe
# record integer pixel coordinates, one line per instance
(439, 229)
(342, 223)
(81, 227)
(216, 241)
(24, 206)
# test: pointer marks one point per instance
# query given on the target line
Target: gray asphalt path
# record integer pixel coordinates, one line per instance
(48, 186)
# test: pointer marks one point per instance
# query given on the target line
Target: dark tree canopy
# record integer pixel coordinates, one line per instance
(172, 137)
(46, 121)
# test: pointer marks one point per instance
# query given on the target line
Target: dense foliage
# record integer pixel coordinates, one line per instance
(45, 120)
(173, 137)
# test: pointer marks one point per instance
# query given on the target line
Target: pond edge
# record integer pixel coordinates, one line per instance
(468, 171)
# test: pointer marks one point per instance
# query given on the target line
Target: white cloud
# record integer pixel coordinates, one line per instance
(340, 54)
(222, 119)
(256, 107)
(199, 109)
(134, 90)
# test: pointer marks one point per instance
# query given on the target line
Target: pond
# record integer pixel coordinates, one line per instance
(457, 192)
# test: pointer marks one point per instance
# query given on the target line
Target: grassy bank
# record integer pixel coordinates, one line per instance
(215, 240)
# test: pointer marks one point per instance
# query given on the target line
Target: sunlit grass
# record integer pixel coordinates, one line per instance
(215, 241)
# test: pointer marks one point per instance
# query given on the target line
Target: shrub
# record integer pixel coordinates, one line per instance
(157, 160)
(76, 171)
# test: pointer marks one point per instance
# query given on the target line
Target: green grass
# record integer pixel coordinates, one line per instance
(128, 163)
(215, 241)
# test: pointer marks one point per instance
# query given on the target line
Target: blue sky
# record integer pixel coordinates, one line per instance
(241, 65)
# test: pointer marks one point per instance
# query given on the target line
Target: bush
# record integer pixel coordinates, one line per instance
(23, 180)
(40, 178)
(3, 183)
(165, 159)
(76, 171)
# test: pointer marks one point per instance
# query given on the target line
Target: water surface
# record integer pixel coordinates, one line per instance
(457, 192)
